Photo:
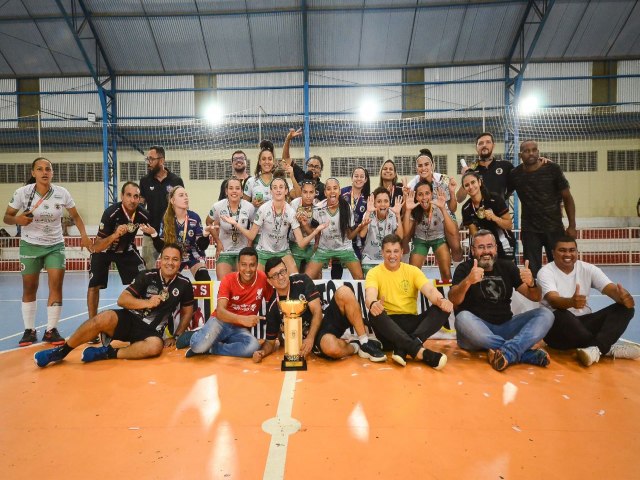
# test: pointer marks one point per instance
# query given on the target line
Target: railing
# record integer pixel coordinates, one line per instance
(600, 246)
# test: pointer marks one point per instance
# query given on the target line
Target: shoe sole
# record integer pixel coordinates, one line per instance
(399, 360)
(368, 356)
(441, 363)
(25, 344)
(55, 343)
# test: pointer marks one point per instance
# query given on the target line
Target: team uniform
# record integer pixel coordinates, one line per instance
(42, 243)
(302, 288)
(331, 244)
(136, 325)
(256, 189)
(494, 177)
(222, 338)
(378, 229)
(472, 216)
(123, 251)
(300, 254)
(429, 232)
(274, 230)
(189, 237)
(231, 238)
(439, 181)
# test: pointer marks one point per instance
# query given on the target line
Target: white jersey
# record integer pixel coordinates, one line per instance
(439, 180)
(46, 228)
(431, 227)
(378, 229)
(274, 228)
(296, 205)
(255, 188)
(232, 239)
(330, 237)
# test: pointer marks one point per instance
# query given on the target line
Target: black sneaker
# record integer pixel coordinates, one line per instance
(497, 360)
(53, 337)
(399, 357)
(28, 338)
(435, 360)
(372, 352)
(377, 343)
(45, 357)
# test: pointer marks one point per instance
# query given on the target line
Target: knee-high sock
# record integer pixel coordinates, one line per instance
(53, 316)
(29, 314)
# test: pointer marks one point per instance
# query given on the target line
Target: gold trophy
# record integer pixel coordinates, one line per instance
(292, 311)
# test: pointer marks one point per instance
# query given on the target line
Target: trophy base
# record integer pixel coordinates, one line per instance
(293, 365)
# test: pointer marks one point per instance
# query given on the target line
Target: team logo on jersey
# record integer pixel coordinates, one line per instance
(499, 171)
(235, 297)
(169, 187)
(58, 206)
(259, 294)
(175, 292)
(45, 206)
(101, 226)
(190, 233)
(404, 285)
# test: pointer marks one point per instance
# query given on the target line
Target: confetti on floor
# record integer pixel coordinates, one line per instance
(509, 392)
(516, 428)
(566, 397)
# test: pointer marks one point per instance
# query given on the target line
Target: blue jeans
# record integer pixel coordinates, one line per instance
(513, 337)
(221, 338)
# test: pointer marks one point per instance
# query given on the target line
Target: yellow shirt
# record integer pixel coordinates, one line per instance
(399, 288)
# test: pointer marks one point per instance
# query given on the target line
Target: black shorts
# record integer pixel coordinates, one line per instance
(334, 323)
(129, 264)
(131, 329)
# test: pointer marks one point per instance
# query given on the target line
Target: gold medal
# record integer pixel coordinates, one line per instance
(132, 227)
(234, 235)
(480, 213)
(164, 295)
(444, 179)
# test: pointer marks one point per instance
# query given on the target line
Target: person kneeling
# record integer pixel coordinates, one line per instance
(320, 335)
(147, 306)
(565, 285)
(481, 293)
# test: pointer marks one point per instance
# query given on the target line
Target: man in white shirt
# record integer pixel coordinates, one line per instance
(565, 284)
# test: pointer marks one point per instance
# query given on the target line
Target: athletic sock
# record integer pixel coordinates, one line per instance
(29, 315)
(53, 316)
(112, 352)
(65, 349)
(363, 339)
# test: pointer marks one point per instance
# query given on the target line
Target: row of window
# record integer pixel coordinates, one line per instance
(617, 160)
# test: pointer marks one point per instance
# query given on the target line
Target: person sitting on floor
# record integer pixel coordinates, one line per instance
(147, 305)
(321, 330)
(565, 284)
(481, 293)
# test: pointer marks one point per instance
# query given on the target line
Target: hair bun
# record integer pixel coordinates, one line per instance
(427, 152)
(266, 145)
(308, 175)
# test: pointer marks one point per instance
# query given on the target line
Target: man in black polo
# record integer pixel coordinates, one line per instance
(115, 242)
(154, 188)
(494, 172)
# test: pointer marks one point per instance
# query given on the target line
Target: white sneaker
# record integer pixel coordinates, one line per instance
(624, 350)
(588, 356)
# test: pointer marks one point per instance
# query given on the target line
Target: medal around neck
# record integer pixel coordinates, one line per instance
(292, 311)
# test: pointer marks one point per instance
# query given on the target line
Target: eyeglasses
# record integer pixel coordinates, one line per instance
(152, 159)
(280, 274)
(483, 248)
(313, 166)
(238, 159)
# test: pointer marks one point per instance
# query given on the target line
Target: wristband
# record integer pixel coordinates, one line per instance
(371, 304)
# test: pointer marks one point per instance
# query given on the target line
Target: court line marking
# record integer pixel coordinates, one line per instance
(44, 326)
(280, 427)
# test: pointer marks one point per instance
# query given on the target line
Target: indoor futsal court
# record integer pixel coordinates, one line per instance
(338, 87)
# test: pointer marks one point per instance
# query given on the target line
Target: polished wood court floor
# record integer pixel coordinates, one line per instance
(205, 417)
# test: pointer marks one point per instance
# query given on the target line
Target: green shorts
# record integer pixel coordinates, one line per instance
(368, 266)
(345, 256)
(228, 258)
(300, 254)
(264, 256)
(34, 257)
(421, 247)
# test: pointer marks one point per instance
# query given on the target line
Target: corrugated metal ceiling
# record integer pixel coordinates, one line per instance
(196, 36)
